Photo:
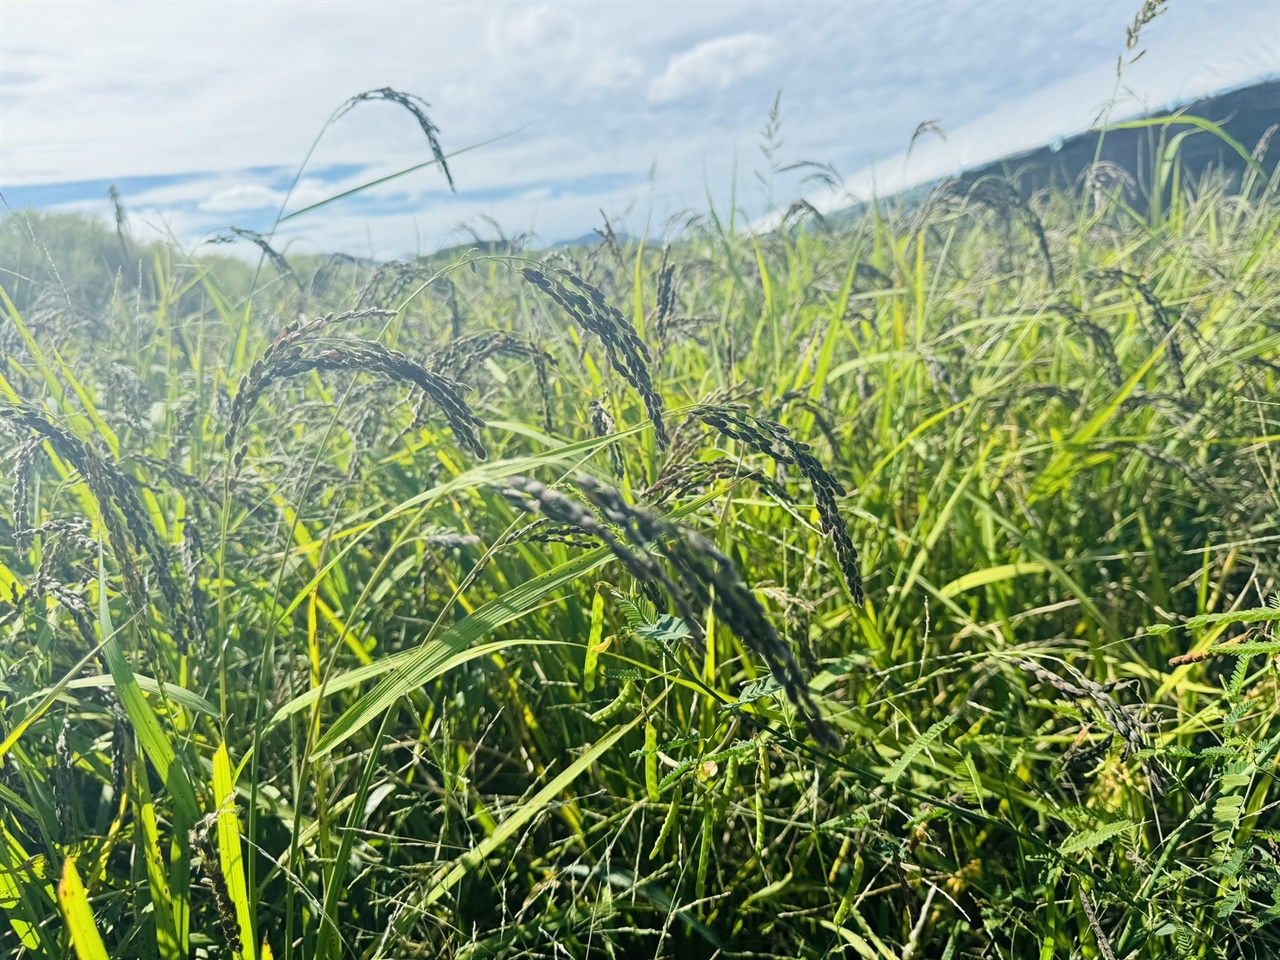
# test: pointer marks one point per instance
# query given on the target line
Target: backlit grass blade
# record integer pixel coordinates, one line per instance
(981, 578)
(1199, 123)
(388, 178)
(20, 892)
(74, 901)
(229, 849)
(161, 894)
(443, 656)
(179, 695)
(593, 641)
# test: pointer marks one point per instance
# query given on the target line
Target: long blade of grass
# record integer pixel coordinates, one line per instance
(425, 662)
(392, 176)
(74, 901)
(48, 698)
(19, 890)
(229, 843)
(444, 655)
(156, 745)
(161, 894)
(450, 876)
(1200, 123)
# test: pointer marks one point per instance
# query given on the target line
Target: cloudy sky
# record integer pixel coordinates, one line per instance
(201, 112)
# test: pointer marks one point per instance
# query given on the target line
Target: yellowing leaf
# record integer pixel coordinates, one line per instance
(79, 915)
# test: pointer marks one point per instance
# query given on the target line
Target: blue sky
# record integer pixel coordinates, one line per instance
(201, 111)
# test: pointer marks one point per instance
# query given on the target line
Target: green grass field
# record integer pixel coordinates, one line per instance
(301, 660)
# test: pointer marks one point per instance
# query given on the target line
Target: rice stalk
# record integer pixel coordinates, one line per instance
(774, 441)
(117, 499)
(275, 256)
(627, 353)
(417, 107)
(284, 360)
(706, 578)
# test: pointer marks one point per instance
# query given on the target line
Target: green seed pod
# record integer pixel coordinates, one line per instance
(614, 707)
(759, 802)
(651, 761)
(834, 872)
(668, 824)
(704, 852)
(726, 789)
(846, 902)
(593, 642)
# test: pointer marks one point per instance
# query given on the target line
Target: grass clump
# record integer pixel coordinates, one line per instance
(499, 651)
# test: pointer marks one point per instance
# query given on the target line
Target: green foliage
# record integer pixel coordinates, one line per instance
(331, 690)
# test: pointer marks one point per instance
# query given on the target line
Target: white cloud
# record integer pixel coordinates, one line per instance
(246, 196)
(222, 196)
(712, 65)
(558, 50)
(532, 32)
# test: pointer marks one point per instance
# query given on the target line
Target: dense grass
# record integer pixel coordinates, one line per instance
(300, 676)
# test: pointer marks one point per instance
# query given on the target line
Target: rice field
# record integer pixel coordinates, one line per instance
(897, 586)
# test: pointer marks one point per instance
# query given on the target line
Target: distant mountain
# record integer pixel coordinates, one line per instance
(592, 239)
(1246, 114)
(1249, 115)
